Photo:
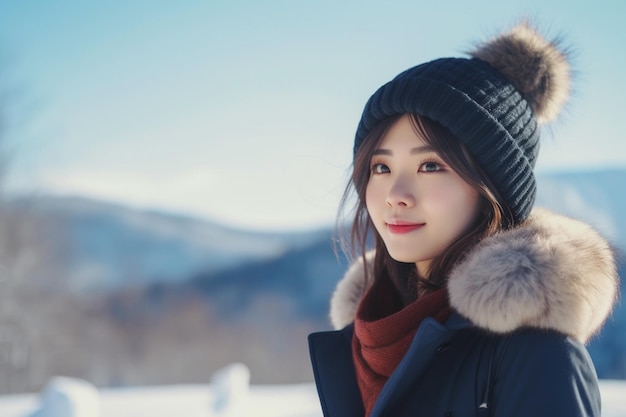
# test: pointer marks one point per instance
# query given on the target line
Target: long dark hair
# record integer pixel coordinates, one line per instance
(494, 216)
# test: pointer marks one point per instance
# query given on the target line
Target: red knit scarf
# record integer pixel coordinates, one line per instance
(382, 335)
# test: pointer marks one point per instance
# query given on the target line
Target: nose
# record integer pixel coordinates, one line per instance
(400, 194)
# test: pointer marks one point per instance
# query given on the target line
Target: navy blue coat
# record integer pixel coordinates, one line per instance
(525, 302)
(457, 370)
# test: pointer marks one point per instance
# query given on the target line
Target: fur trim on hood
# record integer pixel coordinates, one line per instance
(552, 272)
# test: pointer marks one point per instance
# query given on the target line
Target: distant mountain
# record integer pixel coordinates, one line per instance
(110, 245)
(306, 275)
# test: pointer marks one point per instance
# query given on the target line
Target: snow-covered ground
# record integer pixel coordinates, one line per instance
(229, 394)
(198, 401)
(613, 398)
(184, 401)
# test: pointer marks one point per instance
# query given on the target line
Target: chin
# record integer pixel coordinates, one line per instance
(399, 256)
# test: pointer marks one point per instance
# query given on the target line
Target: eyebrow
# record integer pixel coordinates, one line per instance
(419, 149)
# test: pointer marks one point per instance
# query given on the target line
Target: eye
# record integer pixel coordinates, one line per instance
(430, 166)
(379, 169)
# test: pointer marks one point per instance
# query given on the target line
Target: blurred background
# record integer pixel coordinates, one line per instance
(171, 172)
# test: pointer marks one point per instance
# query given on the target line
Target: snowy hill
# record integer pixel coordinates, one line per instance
(109, 245)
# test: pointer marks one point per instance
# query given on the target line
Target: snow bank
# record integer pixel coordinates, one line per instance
(68, 397)
(230, 388)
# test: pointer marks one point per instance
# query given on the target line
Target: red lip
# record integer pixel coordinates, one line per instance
(401, 228)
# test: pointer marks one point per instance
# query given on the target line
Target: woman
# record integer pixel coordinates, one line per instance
(470, 303)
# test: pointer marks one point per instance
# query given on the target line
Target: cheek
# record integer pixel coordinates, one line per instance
(468, 206)
(439, 197)
(371, 196)
(459, 204)
(374, 200)
(448, 196)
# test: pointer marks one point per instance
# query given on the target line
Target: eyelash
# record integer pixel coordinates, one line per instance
(376, 164)
(431, 161)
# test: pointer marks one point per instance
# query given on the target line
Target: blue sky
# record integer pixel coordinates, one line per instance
(244, 111)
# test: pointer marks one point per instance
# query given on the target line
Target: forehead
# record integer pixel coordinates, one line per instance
(403, 134)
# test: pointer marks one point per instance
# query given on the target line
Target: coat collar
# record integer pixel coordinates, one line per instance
(552, 272)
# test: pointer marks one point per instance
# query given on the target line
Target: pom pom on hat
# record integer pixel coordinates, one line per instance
(539, 69)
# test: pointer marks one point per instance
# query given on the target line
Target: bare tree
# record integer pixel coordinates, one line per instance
(31, 252)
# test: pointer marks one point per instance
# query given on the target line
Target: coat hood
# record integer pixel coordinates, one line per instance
(551, 272)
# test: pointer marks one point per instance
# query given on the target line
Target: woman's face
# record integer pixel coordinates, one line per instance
(417, 203)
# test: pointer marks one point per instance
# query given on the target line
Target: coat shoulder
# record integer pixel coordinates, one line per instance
(545, 348)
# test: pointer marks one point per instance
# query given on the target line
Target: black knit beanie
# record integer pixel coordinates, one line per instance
(492, 102)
